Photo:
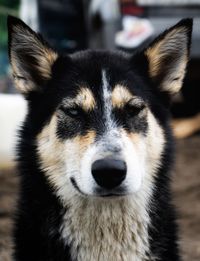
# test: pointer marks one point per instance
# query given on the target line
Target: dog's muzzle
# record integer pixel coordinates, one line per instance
(109, 173)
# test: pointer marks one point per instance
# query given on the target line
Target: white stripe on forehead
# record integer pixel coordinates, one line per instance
(106, 92)
(111, 135)
(107, 99)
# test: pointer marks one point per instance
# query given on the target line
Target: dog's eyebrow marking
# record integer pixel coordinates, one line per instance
(120, 96)
(84, 99)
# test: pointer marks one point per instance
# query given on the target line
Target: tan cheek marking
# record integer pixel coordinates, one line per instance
(155, 142)
(120, 96)
(85, 141)
(134, 137)
(50, 148)
(85, 99)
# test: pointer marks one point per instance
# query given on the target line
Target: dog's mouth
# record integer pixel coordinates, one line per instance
(117, 192)
(112, 195)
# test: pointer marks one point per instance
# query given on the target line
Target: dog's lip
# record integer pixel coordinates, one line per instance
(112, 195)
(117, 192)
(75, 185)
(99, 194)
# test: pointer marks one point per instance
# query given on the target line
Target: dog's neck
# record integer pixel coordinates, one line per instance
(107, 229)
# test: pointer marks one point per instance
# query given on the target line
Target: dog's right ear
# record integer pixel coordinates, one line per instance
(30, 56)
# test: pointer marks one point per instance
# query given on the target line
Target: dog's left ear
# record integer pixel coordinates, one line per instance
(30, 56)
(167, 57)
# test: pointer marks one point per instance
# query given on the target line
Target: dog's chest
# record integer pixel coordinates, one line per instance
(106, 232)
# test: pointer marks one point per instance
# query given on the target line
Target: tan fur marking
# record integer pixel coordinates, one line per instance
(120, 96)
(50, 151)
(85, 141)
(84, 99)
(134, 137)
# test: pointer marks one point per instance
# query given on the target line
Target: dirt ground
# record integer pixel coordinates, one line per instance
(186, 187)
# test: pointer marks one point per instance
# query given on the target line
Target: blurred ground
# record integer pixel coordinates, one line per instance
(186, 187)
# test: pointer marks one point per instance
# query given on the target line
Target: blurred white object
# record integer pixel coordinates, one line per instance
(135, 31)
(108, 9)
(12, 112)
(29, 13)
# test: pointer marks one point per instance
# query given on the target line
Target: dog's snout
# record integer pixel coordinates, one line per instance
(109, 173)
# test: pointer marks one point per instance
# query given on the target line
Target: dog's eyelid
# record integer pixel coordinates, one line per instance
(69, 107)
(136, 102)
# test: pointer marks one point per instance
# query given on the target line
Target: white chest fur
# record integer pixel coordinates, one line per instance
(106, 230)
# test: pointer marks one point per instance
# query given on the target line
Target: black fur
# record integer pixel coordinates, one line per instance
(39, 214)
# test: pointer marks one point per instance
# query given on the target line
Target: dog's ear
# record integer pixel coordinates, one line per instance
(167, 57)
(31, 57)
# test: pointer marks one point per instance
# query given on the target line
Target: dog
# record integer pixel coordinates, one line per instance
(96, 149)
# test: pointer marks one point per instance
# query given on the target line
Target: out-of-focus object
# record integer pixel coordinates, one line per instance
(135, 31)
(108, 9)
(12, 112)
(167, 2)
(130, 7)
(63, 24)
(29, 13)
(184, 128)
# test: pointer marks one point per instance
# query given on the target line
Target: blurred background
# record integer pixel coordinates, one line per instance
(72, 25)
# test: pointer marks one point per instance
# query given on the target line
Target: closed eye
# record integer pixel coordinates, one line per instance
(135, 106)
(73, 112)
(132, 110)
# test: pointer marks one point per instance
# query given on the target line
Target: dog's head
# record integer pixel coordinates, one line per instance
(99, 120)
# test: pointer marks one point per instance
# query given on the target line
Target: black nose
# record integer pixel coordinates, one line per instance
(109, 173)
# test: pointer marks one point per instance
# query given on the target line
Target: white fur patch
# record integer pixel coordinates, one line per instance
(106, 229)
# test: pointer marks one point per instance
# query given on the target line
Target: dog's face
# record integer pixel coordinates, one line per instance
(99, 119)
